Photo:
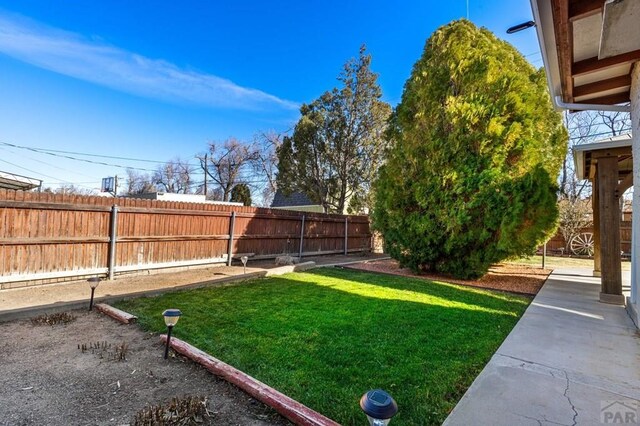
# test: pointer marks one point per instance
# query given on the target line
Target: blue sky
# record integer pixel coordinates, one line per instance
(157, 80)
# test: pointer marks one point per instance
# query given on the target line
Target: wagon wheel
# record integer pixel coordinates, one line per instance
(582, 244)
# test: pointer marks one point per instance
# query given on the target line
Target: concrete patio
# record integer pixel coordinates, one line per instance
(570, 360)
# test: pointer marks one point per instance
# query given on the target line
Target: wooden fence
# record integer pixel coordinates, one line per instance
(54, 236)
(558, 245)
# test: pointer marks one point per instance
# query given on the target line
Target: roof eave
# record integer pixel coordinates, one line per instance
(543, 18)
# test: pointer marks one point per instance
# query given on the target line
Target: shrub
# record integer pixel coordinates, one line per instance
(475, 149)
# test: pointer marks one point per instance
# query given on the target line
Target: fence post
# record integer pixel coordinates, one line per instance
(113, 236)
(346, 234)
(232, 224)
(301, 238)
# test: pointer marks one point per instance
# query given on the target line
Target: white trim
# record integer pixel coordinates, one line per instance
(551, 70)
(52, 275)
(177, 264)
(590, 107)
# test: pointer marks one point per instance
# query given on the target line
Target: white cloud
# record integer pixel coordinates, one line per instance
(79, 57)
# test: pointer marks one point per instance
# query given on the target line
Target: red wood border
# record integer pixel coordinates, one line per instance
(117, 314)
(291, 409)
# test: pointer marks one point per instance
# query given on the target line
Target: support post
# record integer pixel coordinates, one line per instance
(610, 263)
(346, 235)
(206, 173)
(544, 254)
(232, 224)
(301, 238)
(635, 218)
(113, 237)
(595, 200)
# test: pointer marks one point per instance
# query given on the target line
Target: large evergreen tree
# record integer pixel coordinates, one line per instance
(476, 148)
(241, 194)
(337, 145)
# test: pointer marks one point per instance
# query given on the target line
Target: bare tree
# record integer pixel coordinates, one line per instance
(265, 163)
(174, 176)
(227, 164)
(616, 122)
(586, 127)
(139, 183)
(575, 214)
(70, 189)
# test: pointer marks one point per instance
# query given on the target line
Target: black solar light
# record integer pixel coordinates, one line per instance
(379, 407)
(171, 317)
(93, 283)
(520, 27)
(244, 262)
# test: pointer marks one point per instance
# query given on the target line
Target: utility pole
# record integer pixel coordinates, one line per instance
(115, 187)
(205, 176)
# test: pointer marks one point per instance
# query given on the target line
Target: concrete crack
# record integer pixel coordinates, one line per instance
(566, 391)
(531, 418)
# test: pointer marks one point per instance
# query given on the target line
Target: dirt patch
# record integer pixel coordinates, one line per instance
(47, 379)
(520, 279)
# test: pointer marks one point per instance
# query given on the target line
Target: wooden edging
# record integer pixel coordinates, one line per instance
(117, 314)
(291, 409)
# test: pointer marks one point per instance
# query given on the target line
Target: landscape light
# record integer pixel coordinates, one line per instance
(379, 407)
(244, 263)
(520, 27)
(93, 283)
(171, 317)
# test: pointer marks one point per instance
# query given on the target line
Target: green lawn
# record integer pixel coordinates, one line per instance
(326, 337)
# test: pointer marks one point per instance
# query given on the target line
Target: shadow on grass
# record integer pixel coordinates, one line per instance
(483, 299)
(326, 337)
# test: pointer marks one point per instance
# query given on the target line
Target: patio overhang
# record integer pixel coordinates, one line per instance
(18, 182)
(585, 157)
(588, 48)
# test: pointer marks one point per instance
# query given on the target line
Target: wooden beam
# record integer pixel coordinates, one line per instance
(624, 184)
(602, 86)
(609, 209)
(616, 98)
(564, 45)
(579, 9)
(610, 152)
(590, 65)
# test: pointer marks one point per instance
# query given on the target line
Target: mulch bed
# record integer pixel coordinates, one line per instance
(521, 279)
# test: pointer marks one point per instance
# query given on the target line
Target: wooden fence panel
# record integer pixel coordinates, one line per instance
(55, 236)
(557, 243)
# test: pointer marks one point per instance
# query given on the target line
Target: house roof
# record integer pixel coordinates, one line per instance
(18, 182)
(292, 200)
(588, 48)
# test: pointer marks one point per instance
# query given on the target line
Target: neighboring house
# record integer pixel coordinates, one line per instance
(18, 182)
(184, 198)
(295, 201)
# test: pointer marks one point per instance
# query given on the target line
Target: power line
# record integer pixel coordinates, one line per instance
(47, 164)
(620, 132)
(56, 151)
(41, 174)
(74, 158)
